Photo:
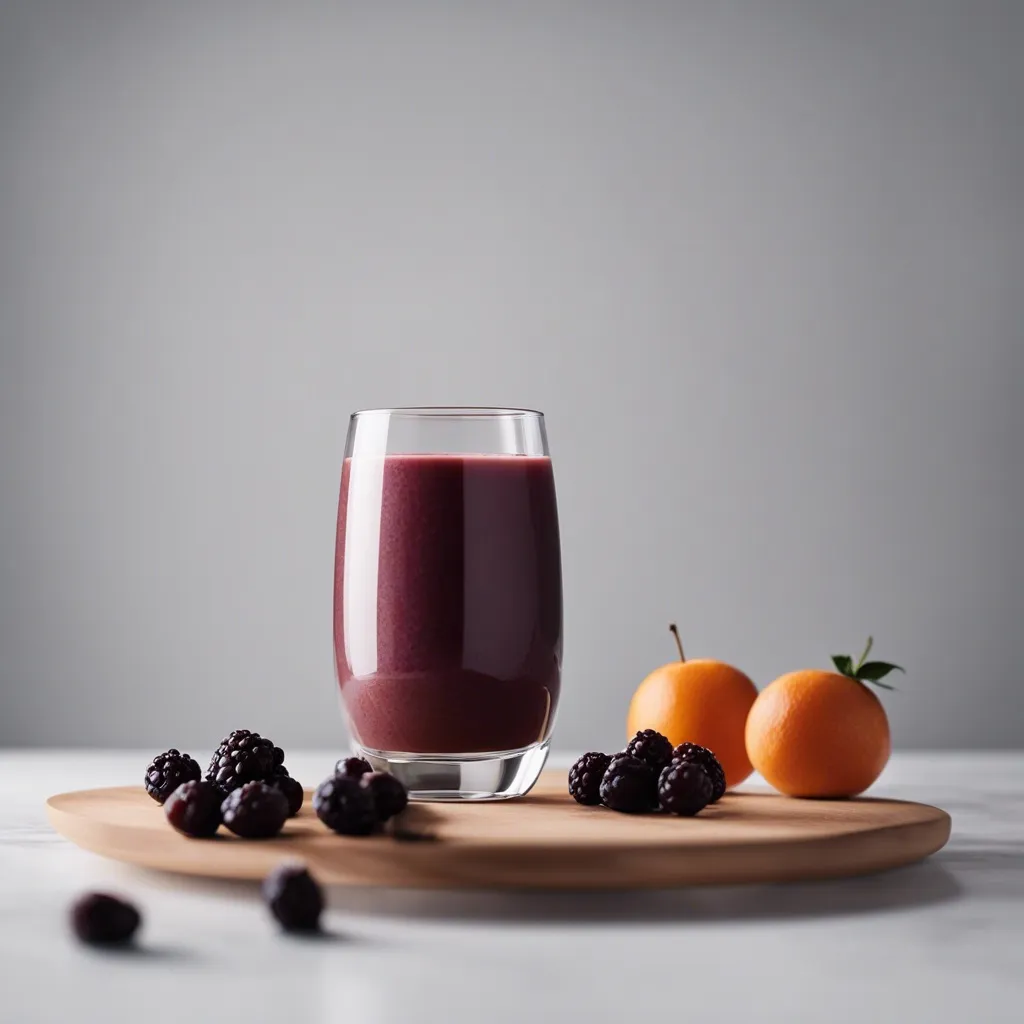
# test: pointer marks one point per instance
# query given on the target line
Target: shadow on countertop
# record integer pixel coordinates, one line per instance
(989, 870)
(919, 885)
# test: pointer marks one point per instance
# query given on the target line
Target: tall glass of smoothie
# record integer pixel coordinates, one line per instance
(448, 598)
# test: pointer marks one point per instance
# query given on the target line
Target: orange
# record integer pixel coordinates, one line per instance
(701, 701)
(818, 734)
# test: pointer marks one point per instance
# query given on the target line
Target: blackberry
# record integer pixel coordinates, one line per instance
(103, 920)
(629, 785)
(707, 760)
(389, 795)
(243, 756)
(194, 808)
(255, 810)
(585, 777)
(354, 766)
(684, 788)
(345, 806)
(167, 771)
(291, 788)
(294, 898)
(651, 747)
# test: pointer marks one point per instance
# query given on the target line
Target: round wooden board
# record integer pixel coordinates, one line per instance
(543, 841)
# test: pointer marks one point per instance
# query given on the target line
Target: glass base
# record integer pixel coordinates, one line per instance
(501, 775)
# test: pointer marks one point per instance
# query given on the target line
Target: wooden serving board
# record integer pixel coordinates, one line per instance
(543, 841)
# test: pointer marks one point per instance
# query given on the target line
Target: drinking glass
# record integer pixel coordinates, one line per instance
(448, 598)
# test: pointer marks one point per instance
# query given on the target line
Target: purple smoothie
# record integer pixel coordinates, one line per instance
(448, 602)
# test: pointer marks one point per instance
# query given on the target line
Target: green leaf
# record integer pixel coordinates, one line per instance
(878, 682)
(873, 671)
(844, 663)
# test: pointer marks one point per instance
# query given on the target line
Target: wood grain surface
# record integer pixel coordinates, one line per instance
(543, 841)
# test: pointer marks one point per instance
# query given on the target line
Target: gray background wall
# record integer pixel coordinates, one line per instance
(762, 264)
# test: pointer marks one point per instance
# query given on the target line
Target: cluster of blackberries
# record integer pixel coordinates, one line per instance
(246, 787)
(649, 774)
(355, 800)
(291, 893)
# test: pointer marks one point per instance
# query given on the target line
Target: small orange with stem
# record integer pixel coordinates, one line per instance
(698, 701)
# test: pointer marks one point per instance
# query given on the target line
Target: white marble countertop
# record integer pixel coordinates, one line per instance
(936, 941)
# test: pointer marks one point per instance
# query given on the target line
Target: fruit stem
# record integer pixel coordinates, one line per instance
(679, 643)
(864, 656)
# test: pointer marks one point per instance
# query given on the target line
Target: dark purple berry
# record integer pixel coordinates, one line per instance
(103, 920)
(389, 795)
(294, 898)
(291, 788)
(255, 810)
(629, 785)
(242, 757)
(345, 806)
(585, 777)
(353, 766)
(194, 808)
(684, 788)
(651, 747)
(707, 760)
(167, 771)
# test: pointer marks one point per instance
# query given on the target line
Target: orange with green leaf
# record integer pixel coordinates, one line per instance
(822, 734)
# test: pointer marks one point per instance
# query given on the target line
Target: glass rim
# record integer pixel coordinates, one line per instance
(459, 412)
